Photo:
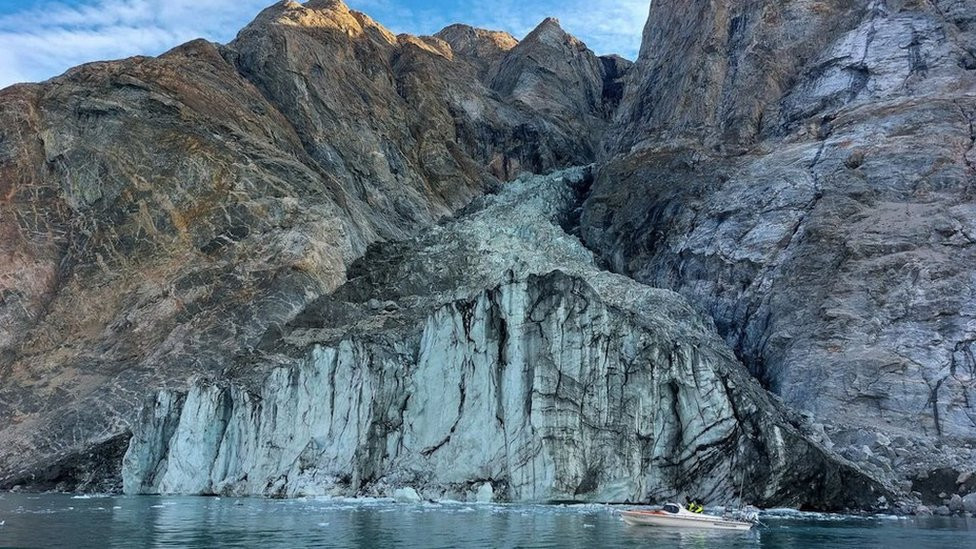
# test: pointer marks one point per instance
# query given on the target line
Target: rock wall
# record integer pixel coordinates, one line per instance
(816, 203)
(731, 74)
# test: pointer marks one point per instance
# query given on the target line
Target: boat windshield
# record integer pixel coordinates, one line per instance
(671, 508)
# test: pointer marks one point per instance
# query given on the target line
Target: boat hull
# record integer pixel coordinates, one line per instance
(638, 518)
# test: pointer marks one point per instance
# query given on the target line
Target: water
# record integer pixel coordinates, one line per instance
(66, 521)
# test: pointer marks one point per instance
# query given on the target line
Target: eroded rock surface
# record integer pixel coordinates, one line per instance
(492, 349)
(803, 172)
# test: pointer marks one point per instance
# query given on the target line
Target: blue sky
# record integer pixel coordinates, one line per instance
(42, 38)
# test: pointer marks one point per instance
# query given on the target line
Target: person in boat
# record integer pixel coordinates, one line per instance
(693, 505)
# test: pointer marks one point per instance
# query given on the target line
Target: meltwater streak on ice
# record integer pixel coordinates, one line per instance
(58, 521)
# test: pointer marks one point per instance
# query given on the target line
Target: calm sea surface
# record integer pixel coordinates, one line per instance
(66, 521)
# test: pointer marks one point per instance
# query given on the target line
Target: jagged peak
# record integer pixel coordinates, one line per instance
(550, 22)
(327, 14)
(467, 39)
(551, 33)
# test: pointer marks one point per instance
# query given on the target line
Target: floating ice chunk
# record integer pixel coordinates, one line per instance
(485, 493)
(406, 495)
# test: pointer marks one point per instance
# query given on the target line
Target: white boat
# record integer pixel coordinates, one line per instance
(675, 516)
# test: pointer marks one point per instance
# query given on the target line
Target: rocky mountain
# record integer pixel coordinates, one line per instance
(311, 261)
(805, 177)
(160, 215)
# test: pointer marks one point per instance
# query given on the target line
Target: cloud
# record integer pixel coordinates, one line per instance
(615, 27)
(41, 42)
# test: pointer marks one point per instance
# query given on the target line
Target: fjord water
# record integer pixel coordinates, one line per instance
(80, 521)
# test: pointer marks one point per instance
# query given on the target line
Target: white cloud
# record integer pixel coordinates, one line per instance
(39, 43)
(615, 27)
(42, 42)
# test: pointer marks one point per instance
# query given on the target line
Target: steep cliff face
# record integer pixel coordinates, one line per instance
(573, 86)
(729, 74)
(803, 172)
(157, 215)
(556, 382)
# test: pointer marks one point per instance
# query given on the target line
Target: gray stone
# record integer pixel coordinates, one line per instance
(969, 503)
(955, 503)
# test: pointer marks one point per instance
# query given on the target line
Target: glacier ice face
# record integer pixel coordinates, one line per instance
(507, 359)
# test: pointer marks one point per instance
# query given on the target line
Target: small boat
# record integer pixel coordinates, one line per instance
(675, 516)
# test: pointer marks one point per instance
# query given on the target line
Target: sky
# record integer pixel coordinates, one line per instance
(40, 39)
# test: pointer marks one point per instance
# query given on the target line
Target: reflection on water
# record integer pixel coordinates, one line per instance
(60, 521)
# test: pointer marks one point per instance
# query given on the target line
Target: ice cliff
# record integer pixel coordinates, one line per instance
(493, 350)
